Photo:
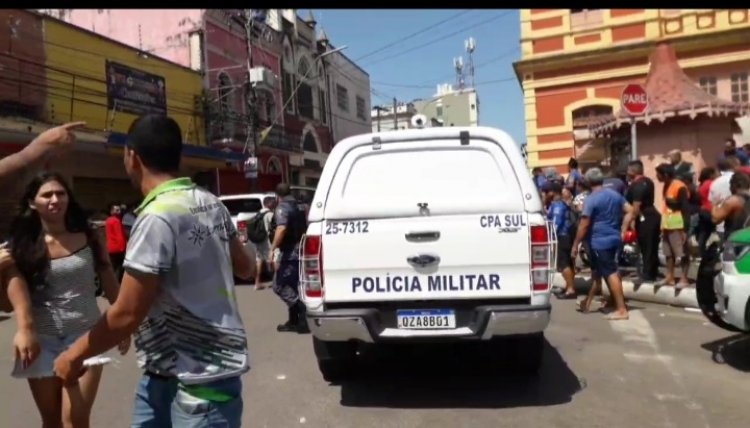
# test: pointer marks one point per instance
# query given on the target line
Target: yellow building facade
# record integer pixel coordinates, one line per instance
(576, 62)
(77, 77)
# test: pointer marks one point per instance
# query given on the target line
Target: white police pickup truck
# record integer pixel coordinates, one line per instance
(426, 234)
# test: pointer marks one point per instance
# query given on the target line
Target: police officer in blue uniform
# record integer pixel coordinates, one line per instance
(290, 225)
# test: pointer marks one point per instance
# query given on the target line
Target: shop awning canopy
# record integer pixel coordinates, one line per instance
(671, 93)
(117, 139)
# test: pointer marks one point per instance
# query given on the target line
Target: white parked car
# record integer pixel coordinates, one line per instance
(242, 208)
(426, 234)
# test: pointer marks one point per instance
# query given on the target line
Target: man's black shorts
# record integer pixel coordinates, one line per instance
(564, 250)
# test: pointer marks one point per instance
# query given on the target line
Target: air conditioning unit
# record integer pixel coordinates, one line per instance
(263, 78)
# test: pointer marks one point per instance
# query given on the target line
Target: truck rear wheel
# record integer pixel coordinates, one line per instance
(337, 361)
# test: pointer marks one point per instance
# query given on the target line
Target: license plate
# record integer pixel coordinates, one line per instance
(426, 319)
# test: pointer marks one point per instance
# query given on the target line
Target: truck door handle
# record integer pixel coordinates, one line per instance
(423, 260)
(422, 236)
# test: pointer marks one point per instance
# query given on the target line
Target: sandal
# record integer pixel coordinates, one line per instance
(561, 295)
(614, 316)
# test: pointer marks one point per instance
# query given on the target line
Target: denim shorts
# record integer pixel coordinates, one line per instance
(44, 366)
(162, 402)
(604, 262)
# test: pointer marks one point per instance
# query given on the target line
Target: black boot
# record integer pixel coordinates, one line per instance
(302, 327)
(292, 322)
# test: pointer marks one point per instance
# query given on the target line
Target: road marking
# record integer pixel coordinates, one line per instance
(644, 348)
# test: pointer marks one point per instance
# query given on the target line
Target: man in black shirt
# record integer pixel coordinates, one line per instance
(640, 195)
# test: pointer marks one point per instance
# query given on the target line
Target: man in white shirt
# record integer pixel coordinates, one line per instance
(263, 248)
(719, 190)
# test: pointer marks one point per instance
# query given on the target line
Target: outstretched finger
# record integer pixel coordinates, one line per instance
(73, 125)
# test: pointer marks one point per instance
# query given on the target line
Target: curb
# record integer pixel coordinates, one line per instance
(665, 295)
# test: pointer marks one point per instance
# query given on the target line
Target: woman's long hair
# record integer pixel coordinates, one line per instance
(28, 247)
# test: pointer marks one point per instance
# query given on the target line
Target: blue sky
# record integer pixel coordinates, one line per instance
(497, 33)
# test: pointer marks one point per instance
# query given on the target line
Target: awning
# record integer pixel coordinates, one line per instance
(198, 156)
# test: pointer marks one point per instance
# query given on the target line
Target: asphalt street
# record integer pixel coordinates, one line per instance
(665, 367)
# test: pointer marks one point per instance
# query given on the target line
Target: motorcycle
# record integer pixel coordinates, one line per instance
(628, 255)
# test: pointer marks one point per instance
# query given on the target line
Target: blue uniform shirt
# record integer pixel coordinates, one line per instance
(558, 214)
(604, 210)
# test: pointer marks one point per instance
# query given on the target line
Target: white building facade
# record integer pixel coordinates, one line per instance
(349, 91)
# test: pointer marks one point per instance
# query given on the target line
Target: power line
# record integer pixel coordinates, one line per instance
(416, 33)
(424, 86)
(78, 74)
(439, 39)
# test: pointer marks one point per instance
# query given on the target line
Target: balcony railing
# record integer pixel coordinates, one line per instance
(232, 128)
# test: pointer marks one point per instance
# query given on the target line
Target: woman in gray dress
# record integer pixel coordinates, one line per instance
(59, 255)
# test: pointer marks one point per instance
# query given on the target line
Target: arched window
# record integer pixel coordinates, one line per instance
(225, 92)
(588, 115)
(226, 101)
(274, 166)
(309, 144)
(305, 101)
(303, 69)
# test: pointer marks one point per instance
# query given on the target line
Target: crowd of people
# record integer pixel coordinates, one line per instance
(596, 214)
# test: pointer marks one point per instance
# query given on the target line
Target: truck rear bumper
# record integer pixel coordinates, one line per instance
(339, 325)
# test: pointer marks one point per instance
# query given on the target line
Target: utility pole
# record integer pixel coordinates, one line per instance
(378, 119)
(250, 97)
(395, 114)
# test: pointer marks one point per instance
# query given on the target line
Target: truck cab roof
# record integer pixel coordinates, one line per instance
(444, 147)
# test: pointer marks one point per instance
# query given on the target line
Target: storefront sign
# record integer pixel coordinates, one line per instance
(134, 91)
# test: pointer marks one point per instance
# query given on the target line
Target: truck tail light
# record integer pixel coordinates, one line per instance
(541, 256)
(242, 230)
(311, 269)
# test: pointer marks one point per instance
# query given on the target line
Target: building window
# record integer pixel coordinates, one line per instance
(305, 101)
(322, 103)
(585, 116)
(361, 108)
(342, 98)
(224, 92)
(287, 85)
(739, 88)
(303, 69)
(309, 144)
(708, 84)
(585, 18)
(439, 111)
(473, 106)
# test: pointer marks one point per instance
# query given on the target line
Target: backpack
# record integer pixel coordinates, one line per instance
(572, 217)
(256, 230)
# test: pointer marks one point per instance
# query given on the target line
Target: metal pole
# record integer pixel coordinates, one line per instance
(633, 141)
(251, 96)
(378, 110)
(395, 114)
(72, 97)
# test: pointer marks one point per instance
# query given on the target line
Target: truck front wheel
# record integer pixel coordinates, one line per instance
(337, 361)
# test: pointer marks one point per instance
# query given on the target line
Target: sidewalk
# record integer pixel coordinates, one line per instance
(647, 292)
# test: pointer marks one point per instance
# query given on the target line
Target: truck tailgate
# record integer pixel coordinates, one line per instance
(447, 257)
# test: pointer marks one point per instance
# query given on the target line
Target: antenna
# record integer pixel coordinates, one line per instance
(458, 64)
(471, 46)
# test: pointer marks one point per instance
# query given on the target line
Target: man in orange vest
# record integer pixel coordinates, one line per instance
(674, 222)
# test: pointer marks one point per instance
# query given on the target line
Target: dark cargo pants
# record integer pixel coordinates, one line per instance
(286, 282)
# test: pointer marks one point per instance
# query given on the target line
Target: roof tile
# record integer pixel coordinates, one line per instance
(670, 90)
